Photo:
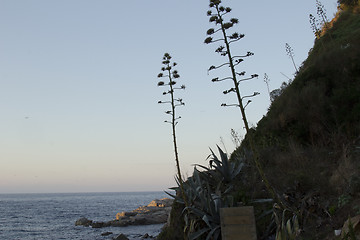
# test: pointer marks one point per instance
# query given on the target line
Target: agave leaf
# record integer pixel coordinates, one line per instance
(209, 204)
(197, 234)
(283, 220)
(224, 158)
(265, 213)
(196, 211)
(213, 220)
(262, 200)
(179, 200)
(279, 235)
(214, 232)
(231, 168)
(171, 195)
(296, 223)
(206, 168)
(196, 176)
(238, 169)
(205, 218)
(217, 201)
(177, 180)
(217, 234)
(289, 228)
(228, 190)
(215, 160)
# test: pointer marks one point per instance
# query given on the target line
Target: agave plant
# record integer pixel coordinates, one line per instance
(222, 171)
(206, 218)
(206, 192)
(202, 218)
(192, 187)
(227, 170)
(287, 227)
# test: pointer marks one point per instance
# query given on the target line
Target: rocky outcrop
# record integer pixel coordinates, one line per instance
(155, 212)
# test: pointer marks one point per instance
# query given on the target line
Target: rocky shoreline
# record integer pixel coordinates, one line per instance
(156, 212)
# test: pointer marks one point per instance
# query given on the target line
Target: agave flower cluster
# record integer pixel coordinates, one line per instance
(314, 26)
(267, 80)
(221, 33)
(171, 74)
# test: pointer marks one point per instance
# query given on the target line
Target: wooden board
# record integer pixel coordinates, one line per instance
(238, 223)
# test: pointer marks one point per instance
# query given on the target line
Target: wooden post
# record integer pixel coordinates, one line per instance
(238, 223)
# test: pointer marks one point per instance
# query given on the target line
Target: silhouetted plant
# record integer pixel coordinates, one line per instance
(267, 80)
(171, 75)
(217, 14)
(290, 53)
(235, 138)
(314, 26)
(321, 12)
(222, 27)
(319, 27)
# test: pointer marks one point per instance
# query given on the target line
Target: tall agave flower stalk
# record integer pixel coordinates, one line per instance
(314, 27)
(290, 53)
(217, 15)
(171, 74)
(321, 12)
(267, 80)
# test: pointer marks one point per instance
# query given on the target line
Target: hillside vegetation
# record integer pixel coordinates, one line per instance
(308, 142)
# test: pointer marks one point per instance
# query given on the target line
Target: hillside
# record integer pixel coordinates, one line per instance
(323, 99)
(308, 145)
(309, 140)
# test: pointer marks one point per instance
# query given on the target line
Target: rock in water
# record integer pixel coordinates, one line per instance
(121, 237)
(98, 224)
(146, 236)
(156, 212)
(125, 214)
(83, 222)
(106, 233)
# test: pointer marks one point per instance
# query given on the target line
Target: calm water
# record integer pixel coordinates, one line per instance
(53, 216)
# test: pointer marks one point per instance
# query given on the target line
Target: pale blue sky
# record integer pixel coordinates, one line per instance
(78, 94)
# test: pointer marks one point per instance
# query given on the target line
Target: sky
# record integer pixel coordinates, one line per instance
(78, 87)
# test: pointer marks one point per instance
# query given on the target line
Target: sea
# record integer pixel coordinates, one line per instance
(53, 215)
